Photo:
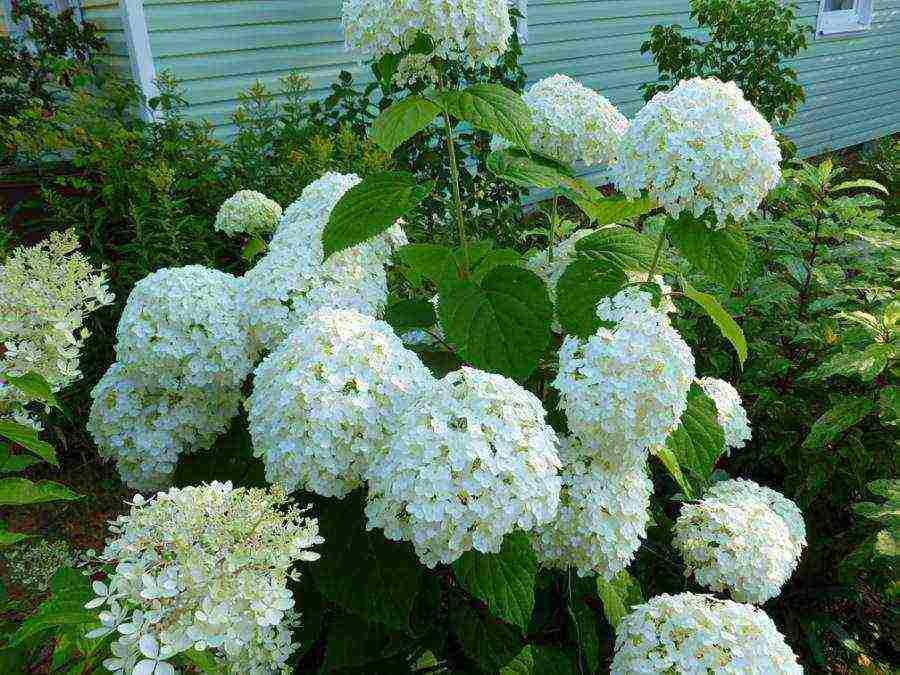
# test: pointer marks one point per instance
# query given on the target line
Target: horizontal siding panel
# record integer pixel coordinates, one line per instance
(176, 16)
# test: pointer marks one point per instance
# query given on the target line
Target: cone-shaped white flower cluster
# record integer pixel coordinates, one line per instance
(572, 122)
(326, 401)
(695, 634)
(731, 414)
(472, 459)
(700, 146)
(248, 212)
(181, 359)
(204, 568)
(474, 32)
(603, 514)
(293, 279)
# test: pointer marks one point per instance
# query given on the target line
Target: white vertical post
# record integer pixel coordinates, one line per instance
(139, 53)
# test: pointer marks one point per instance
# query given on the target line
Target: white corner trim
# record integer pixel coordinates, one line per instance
(139, 53)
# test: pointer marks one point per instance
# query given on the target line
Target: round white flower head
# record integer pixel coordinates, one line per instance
(248, 212)
(736, 544)
(182, 327)
(572, 122)
(603, 513)
(474, 32)
(626, 387)
(472, 460)
(204, 568)
(693, 634)
(145, 427)
(700, 146)
(741, 489)
(328, 398)
(731, 414)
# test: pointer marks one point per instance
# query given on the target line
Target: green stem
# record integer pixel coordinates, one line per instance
(656, 254)
(454, 172)
(554, 221)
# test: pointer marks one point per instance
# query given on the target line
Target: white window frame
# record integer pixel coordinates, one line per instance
(845, 21)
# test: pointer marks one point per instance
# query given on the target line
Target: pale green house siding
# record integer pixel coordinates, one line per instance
(219, 47)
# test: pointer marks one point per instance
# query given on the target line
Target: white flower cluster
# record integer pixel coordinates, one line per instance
(248, 212)
(46, 293)
(731, 414)
(204, 568)
(700, 146)
(572, 122)
(694, 634)
(603, 513)
(472, 459)
(474, 32)
(731, 540)
(328, 398)
(181, 360)
(293, 279)
(627, 386)
(741, 488)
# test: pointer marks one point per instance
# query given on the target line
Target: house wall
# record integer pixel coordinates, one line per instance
(107, 15)
(220, 47)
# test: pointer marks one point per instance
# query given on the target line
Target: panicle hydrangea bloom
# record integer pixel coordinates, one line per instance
(742, 489)
(736, 544)
(695, 634)
(472, 459)
(731, 414)
(328, 398)
(205, 568)
(474, 32)
(700, 146)
(626, 387)
(46, 292)
(603, 513)
(249, 212)
(572, 122)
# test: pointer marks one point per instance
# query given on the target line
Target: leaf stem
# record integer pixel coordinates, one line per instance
(554, 221)
(454, 172)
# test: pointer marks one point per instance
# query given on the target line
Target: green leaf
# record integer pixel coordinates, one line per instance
(887, 543)
(360, 570)
(17, 463)
(432, 261)
(501, 325)
(371, 207)
(523, 664)
(699, 441)
(530, 170)
(402, 121)
(886, 487)
(71, 590)
(34, 386)
(493, 108)
(10, 538)
(489, 642)
(828, 428)
(622, 248)
(585, 623)
(18, 491)
(578, 291)
(608, 210)
(353, 643)
(28, 439)
(495, 258)
(409, 315)
(504, 580)
(552, 661)
(861, 183)
(726, 325)
(720, 254)
(665, 455)
(254, 247)
(888, 512)
(204, 661)
(619, 596)
(889, 405)
(865, 364)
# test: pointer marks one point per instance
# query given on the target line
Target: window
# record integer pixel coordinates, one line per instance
(843, 16)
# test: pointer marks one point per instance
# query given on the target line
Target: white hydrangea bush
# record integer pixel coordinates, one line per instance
(700, 146)
(603, 513)
(730, 411)
(473, 32)
(787, 509)
(203, 568)
(695, 634)
(248, 212)
(328, 399)
(627, 386)
(571, 122)
(472, 460)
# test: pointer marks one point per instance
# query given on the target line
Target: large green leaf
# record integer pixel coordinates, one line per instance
(523, 664)
(491, 643)
(28, 439)
(665, 455)
(407, 315)
(362, 571)
(501, 325)
(622, 248)
(578, 291)
(726, 325)
(829, 427)
(371, 207)
(493, 108)
(17, 463)
(19, 491)
(432, 261)
(70, 591)
(719, 253)
(619, 596)
(529, 170)
(495, 258)
(504, 580)
(608, 210)
(34, 386)
(10, 538)
(699, 441)
(865, 363)
(353, 643)
(402, 121)
(860, 184)
(584, 622)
